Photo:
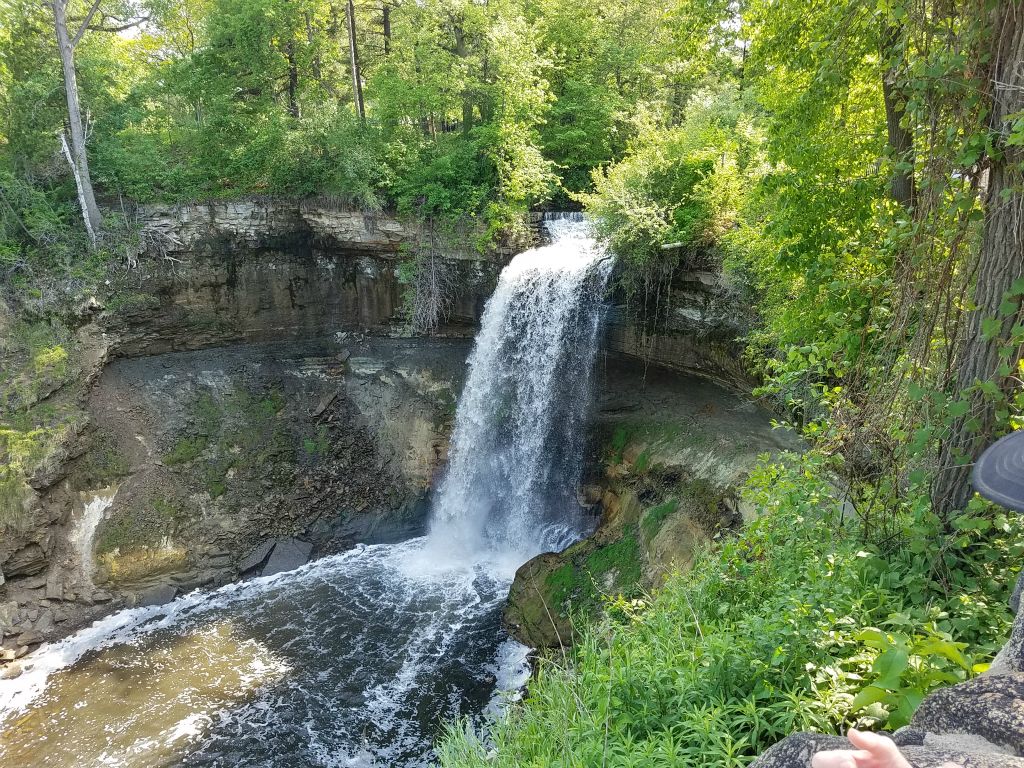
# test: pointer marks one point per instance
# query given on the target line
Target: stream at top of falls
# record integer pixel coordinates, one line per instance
(361, 658)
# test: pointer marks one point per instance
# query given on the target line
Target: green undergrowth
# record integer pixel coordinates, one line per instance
(795, 624)
(36, 362)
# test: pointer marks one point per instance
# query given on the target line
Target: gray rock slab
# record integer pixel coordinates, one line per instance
(991, 707)
(288, 555)
(256, 558)
(157, 595)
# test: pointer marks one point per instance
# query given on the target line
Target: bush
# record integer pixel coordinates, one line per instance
(796, 624)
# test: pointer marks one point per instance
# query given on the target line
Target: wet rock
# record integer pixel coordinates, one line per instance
(219, 561)
(288, 555)
(157, 595)
(256, 558)
(11, 671)
(101, 596)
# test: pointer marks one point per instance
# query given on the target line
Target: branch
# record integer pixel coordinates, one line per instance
(85, 23)
(124, 26)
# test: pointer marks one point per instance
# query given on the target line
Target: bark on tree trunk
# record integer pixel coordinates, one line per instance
(357, 84)
(462, 51)
(901, 140)
(293, 79)
(386, 24)
(1000, 264)
(76, 151)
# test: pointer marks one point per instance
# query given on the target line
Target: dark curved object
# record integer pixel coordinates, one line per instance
(999, 473)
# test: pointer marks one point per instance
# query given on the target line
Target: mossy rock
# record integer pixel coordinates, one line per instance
(632, 551)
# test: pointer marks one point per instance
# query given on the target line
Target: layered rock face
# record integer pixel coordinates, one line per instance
(265, 270)
(700, 321)
(229, 272)
(221, 463)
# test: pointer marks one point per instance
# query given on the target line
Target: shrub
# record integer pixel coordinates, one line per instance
(795, 624)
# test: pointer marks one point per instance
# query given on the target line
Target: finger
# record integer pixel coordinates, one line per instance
(834, 758)
(873, 742)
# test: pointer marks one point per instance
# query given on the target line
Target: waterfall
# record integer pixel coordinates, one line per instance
(517, 448)
(85, 529)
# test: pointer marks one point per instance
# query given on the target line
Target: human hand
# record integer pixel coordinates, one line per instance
(872, 751)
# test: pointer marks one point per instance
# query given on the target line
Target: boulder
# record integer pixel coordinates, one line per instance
(157, 595)
(533, 612)
(991, 707)
(29, 637)
(797, 750)
(27, 561)
(11, 671)
(288, 555)
(256, 558)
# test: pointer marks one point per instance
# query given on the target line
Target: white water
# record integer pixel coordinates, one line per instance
(517, 449)
(357, 659)
(84, 533)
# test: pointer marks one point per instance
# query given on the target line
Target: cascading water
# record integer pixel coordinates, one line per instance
(517, 449)
(356, 659)
(85, 529)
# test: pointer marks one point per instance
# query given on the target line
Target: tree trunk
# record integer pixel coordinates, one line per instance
(76, 151)
(293, 79)
(462, 51)
(901, 140)
(357, 83)
(386, 24)
(1000, 264)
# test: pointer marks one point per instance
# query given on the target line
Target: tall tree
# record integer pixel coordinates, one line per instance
(982, 351)
(353, 52)
(74, 149)
(901, 139)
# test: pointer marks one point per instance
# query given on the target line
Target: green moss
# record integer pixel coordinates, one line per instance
(146, 524)
(563, 583)
(621, 559)
(102, 463)
(318, 446)
(620, 438)
(653, 518)
(579, 583)
(643, 462)
(185, 450)
(124, 302)
(27, 439)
